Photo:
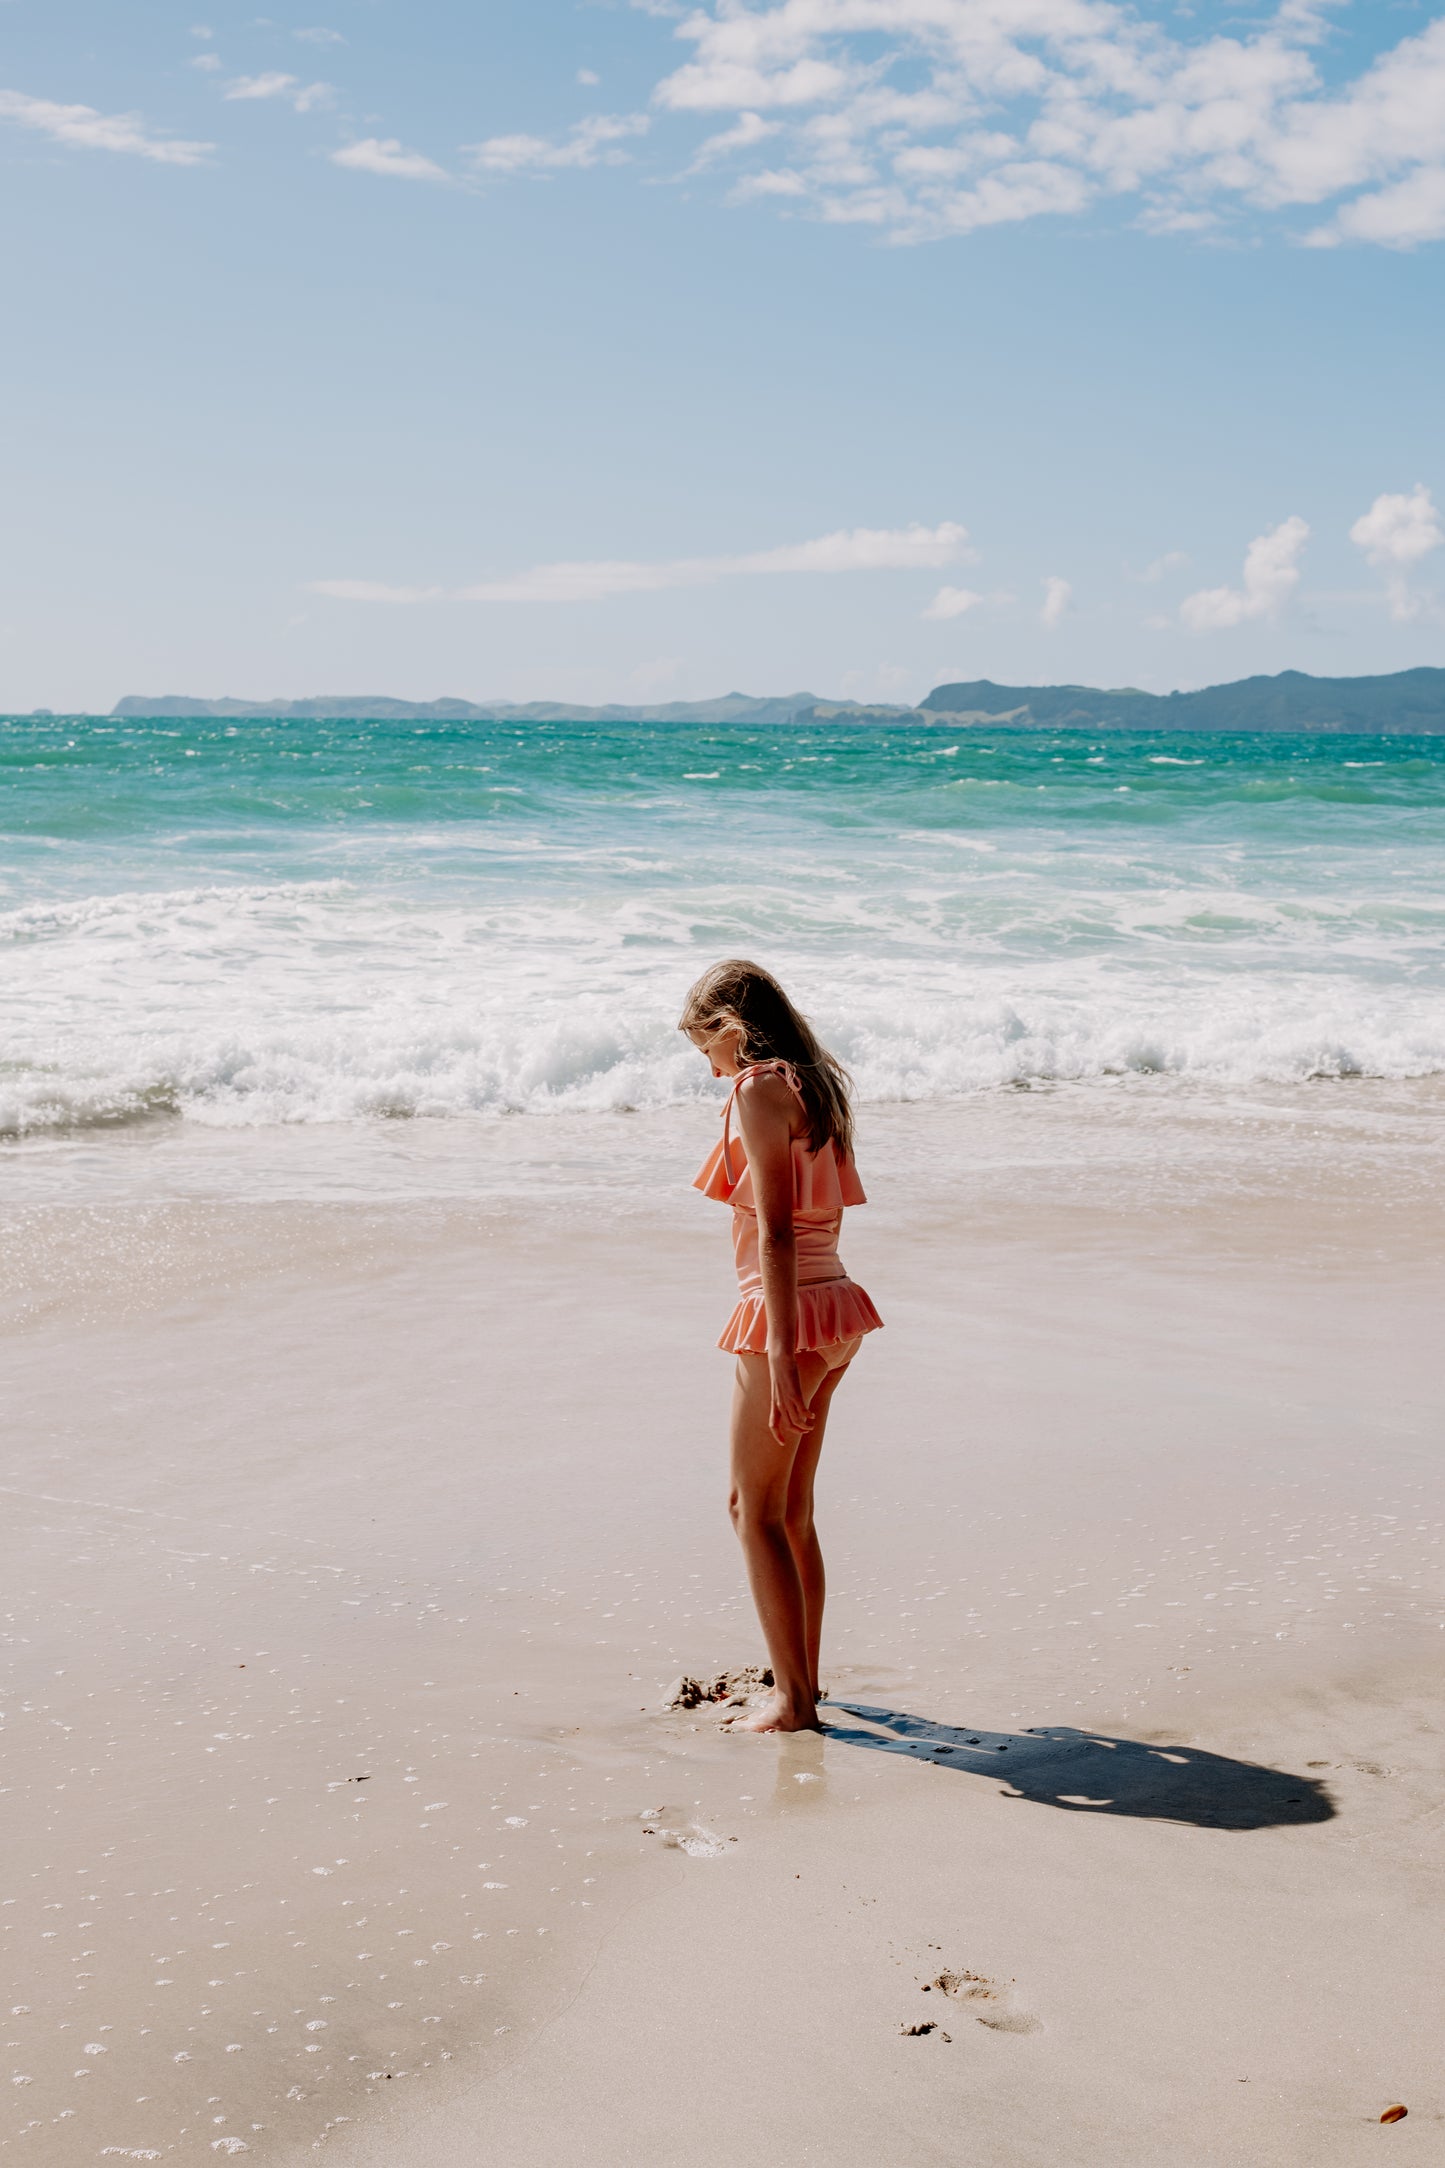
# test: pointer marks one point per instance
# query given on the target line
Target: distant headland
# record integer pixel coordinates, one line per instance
(1405, 702)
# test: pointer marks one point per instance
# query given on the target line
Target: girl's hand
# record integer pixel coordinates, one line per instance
(790, 1412)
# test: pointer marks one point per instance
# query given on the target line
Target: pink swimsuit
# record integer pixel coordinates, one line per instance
(831, 1308)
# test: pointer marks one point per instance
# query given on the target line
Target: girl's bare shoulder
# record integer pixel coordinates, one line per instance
(765, 1096)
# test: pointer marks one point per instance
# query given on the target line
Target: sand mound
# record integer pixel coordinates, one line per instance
(734, 1689)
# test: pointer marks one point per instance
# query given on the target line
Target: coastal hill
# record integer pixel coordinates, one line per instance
(1408, 700)
(1404, 702)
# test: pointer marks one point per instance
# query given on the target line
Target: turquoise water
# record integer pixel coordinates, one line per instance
(263, 922)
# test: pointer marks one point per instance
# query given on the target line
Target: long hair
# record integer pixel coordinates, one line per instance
(737, 992)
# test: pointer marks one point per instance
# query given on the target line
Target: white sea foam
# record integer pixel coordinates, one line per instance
(291, 1040)
(135, 911)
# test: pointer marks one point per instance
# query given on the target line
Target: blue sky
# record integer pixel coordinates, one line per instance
(626, 352)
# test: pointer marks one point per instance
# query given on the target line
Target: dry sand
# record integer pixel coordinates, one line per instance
(350, 1545)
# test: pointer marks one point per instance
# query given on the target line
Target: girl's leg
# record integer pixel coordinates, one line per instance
(802, 1533)
(768, 1512)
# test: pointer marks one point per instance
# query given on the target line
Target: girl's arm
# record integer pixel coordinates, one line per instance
(766, 1108)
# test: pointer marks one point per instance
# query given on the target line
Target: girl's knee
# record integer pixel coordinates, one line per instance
(751, 1516)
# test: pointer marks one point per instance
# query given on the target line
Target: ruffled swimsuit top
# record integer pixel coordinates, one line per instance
(831, 1307)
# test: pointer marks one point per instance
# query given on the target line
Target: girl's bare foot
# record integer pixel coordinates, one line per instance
(776, 1714)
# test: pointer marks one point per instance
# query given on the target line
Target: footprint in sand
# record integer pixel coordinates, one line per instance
(691, 1837)
(984, 2000)
(697, 1842)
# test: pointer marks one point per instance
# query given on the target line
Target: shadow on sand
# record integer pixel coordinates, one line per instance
(1086, 1772)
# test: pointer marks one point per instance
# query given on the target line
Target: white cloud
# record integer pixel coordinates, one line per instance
(85, 129)
(770, 183)
(1169, 562)
(1399, 217)
(863, 549)
(1271, 575)
(1399, 530)
(319, 36)
(385, 155)
(1058, 594)
(592, 142)
(750, 128)
(1396, 533)
(855, 549)
(925, 118)
(207, 62)
(589, 77)
(202, 30)
(952, 602)
(375, 591)
(276, 85)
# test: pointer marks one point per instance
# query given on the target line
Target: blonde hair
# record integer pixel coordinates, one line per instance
(737, 992)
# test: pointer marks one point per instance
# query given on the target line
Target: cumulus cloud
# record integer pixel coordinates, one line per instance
(952, 602)
(274, 85)
(82, 127)
(749, 128)
(1271, 575)
(925, 118)
(1399, 530)
(319, 36)
(771, 182)
(851, 549)
(1058, 594)
(303, 96)
(1395, 534)
(385, 155)
(208, 63)
(594, 142)
(1399, 217)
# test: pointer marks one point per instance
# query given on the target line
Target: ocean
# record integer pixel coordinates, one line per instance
(252, 924)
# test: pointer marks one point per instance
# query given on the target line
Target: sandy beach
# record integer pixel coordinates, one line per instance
(353, 1544)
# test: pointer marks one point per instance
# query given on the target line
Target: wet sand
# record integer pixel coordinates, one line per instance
(350, 1542)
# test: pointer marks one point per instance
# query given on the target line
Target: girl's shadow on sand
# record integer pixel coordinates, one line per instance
(1086, 1772)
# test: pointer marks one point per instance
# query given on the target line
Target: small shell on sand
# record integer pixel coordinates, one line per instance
(1397, 2114)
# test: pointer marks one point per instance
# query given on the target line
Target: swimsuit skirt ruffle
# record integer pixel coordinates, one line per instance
(829, 1311)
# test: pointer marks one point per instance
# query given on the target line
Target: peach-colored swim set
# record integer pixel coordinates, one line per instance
(832, 1309)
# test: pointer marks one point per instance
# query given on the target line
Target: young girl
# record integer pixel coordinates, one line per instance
(787, 1171)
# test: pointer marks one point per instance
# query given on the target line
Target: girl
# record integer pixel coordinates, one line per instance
(787, 1173)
